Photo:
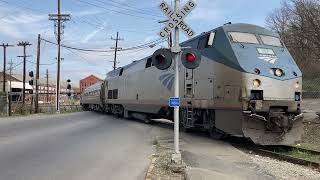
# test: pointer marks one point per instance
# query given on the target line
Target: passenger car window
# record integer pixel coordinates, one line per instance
(115, 94)
(240, 37)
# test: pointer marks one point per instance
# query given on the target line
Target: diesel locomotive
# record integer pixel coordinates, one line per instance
(246, 85)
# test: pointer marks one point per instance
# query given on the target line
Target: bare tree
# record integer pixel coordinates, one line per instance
(298, 23)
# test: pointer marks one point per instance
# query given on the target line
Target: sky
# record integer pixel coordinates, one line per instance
(94, 22)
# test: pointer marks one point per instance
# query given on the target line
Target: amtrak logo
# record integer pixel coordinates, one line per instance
(270, 59)
(167, 80)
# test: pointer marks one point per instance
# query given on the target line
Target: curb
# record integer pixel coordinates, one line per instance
(151, 166)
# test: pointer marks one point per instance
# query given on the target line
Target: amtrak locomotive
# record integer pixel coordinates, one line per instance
(247, 85)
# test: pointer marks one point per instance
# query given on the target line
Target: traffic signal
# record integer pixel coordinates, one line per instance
(31, 82)
(31, 76)
(191, 58)
(162, 59)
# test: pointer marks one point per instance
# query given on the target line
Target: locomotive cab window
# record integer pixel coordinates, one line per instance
(121, 72)
(240, 37)
(149, 62)
(206, 41)
(271, 41)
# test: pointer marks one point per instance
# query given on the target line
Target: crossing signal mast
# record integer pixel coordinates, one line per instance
(190, 58)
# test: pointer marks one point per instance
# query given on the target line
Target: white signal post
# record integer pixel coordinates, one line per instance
(176, 22)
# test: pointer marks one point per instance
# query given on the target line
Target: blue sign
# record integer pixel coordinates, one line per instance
(174, 102)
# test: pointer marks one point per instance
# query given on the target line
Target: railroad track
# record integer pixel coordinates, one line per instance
(282, 152)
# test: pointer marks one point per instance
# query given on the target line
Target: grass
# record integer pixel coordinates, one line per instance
(299, 153)
(304, 155)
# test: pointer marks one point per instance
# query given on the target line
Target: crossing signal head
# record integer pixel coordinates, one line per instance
(162, 59)
(31, 74)
(31, 82)
(191, 58)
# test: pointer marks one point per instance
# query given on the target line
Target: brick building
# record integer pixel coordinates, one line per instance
(88, 81)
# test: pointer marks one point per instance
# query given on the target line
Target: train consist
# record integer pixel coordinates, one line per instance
(247, 85)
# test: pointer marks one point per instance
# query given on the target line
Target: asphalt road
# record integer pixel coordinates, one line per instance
(81, 146)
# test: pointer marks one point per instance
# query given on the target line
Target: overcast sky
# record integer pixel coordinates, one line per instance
(95, 21)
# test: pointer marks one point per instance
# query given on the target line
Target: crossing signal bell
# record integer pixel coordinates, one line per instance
(191, 58)
(162, 59)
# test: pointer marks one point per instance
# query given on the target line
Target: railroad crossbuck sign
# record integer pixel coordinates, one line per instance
(176, 19)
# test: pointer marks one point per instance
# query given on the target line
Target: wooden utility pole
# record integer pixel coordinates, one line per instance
(36, 104)
(24, 44)
(47, 76)
(10, 91)
(116, 49)
(4, 64)
(58, 19)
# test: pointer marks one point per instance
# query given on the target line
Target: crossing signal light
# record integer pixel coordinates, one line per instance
(31, 74)
(162, 59)
(191, 58)
(31, 82)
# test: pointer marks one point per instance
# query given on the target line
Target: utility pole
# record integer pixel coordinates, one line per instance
(58, 20)
(47, 76)
(116, 49)
(24, 44)
(36, 104)
(4, 64)
(10, 91)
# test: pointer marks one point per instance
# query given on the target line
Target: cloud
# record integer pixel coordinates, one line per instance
(93, 33)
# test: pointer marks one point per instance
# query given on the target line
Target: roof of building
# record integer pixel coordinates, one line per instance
(8, 78)
(91, 76)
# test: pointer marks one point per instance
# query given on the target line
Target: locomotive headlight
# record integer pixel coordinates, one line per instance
(256, 83)
(297, 85)
(278, 72)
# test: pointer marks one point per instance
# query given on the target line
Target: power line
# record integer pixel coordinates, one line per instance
(42, 63)
(133, 9)
(115, 11)
(149, 44)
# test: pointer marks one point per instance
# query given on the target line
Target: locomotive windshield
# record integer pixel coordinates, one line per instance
(240, 37)
(271, 41)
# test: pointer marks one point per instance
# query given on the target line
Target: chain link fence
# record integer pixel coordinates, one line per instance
(311, 79)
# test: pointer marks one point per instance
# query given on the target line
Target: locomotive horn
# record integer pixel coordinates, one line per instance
(162, 59)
